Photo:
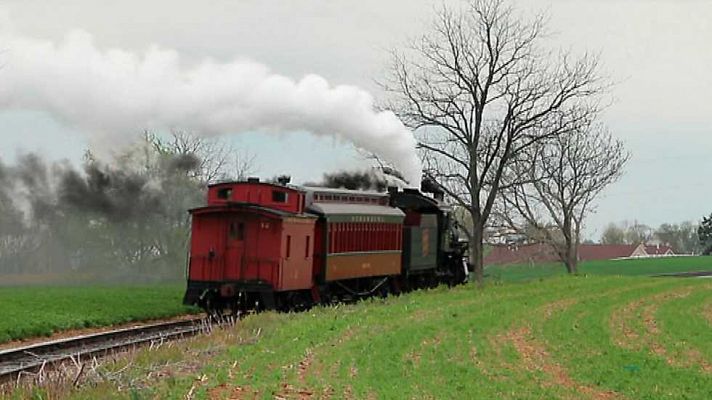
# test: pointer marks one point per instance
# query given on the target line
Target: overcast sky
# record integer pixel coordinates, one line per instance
(659, 52)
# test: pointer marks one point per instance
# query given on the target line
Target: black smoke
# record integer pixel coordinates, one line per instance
(114, 194)
(184, 162)
(354, 180)
(428, 185)
(103, 222)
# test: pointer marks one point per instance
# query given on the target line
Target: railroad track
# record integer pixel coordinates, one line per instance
(33, 358)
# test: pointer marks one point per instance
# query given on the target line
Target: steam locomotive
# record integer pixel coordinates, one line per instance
(259, 245)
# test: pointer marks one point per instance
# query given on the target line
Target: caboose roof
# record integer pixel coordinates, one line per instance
(236, 206)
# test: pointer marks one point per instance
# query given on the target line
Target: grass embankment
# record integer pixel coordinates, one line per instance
(41, 311)
(626, 267)
(566, 337)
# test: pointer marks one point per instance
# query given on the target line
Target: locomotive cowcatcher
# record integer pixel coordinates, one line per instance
(277, 246)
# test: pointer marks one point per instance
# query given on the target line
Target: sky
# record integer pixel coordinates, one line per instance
(656, 52)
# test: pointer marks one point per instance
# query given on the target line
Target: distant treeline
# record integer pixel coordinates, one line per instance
(682, 237)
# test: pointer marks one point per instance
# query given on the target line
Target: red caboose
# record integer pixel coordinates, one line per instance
(253, 240)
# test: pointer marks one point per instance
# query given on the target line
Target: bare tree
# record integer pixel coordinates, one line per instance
(217, 159)
(613, 234)
(479, 89)
(681, 237)
(637, 233)
(559, 179)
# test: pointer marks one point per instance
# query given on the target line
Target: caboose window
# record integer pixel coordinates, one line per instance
(237, 231)
(225, 194)
(279, 196)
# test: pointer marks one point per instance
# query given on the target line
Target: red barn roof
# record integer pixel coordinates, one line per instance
(540, 253)
(605, 251)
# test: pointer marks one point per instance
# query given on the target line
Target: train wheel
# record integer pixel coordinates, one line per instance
(384, 290)
(396, 285)
(213, 308)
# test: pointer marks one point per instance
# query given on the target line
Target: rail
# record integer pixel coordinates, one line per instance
(33, 358)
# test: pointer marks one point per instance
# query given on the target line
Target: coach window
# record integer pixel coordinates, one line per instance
(339, 238)
(330, 227)
(279, 196)
(332, 237)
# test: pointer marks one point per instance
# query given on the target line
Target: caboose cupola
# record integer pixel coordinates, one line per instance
(275, 196)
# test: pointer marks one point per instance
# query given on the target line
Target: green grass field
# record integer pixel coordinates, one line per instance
(582, 337)
(628, 267)
(520, 337)
(38, 311)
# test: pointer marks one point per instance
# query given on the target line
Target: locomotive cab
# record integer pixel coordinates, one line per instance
(429, 254)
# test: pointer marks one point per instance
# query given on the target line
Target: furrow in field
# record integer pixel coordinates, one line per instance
(582, 338)
(336, 360)
(686, 334)
(538, 353)
(636, 327)
(231, 392)
(558, 381)
(535, 360)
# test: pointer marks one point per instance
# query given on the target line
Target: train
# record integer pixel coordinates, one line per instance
(273, 245)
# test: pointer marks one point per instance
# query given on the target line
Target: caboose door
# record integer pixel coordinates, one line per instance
(235, 248)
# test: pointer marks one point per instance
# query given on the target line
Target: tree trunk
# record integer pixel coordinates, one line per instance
(476, 254)
(571, 257)
(570, 253)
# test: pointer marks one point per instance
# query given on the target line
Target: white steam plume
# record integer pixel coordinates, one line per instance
(112, 95)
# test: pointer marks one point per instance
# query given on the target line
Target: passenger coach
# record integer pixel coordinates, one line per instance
(359, 239)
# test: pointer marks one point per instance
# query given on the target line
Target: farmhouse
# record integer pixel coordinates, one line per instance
(659, 251)
(541, 253)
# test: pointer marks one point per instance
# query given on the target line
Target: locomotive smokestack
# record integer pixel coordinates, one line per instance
(284, 179)
(427, 185)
